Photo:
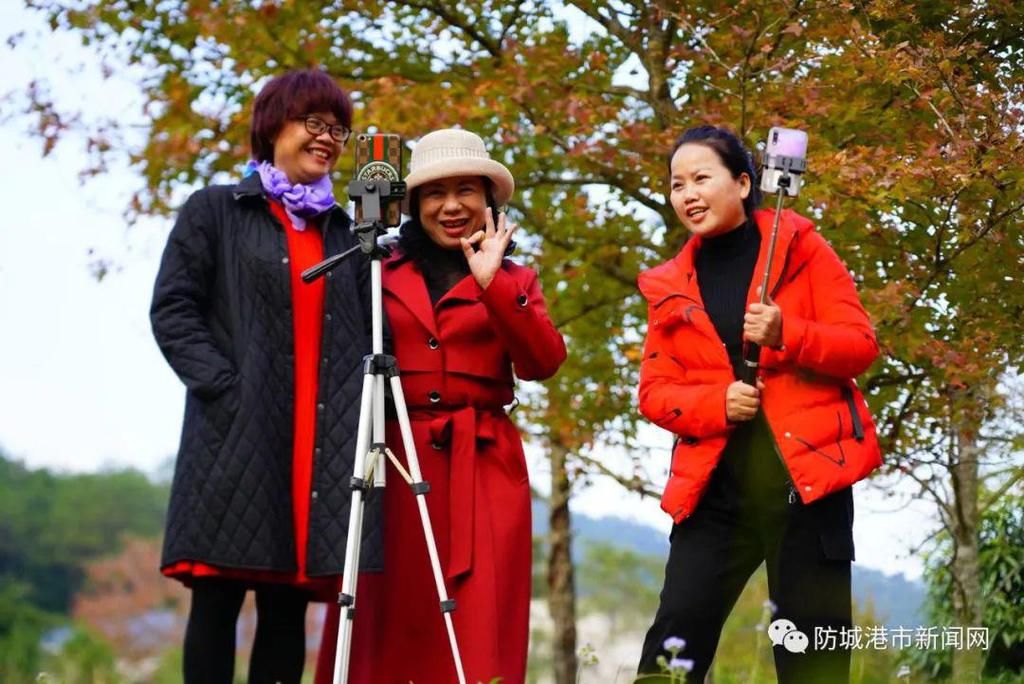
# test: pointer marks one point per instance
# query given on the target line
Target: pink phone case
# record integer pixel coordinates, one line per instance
(787, 142)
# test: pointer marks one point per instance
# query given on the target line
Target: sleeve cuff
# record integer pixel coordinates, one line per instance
(793, 329)
(503, 292)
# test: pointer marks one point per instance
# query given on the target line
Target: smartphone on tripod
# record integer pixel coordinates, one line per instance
(379, 157)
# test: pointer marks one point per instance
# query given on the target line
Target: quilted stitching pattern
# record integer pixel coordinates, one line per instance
(222, 316)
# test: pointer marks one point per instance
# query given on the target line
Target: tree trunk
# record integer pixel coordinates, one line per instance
(968, 601)
(561, 582)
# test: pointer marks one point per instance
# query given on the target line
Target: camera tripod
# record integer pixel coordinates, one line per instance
(371, 451)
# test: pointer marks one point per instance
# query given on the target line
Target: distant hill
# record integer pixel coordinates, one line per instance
(894, 599)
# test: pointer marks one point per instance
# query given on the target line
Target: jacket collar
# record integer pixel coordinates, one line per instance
(678, 276)
(248, 187)
(406, 283)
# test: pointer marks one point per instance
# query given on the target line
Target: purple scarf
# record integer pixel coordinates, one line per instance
(300, 201)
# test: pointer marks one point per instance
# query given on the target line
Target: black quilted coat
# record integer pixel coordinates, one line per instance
(222, 315)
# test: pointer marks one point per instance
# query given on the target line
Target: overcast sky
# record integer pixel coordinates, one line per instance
(83, 384)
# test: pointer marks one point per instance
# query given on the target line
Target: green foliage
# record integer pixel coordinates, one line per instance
(84, 659)
(22, 626)
(170, 667)
(50, 524)
(1001, 556)
(620, 584)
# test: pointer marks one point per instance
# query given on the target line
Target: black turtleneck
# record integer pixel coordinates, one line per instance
(749, 476)
(725, 264)
(441, 268)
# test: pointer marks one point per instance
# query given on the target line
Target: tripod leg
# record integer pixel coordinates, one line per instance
(379, 426)
(419, 488)
(347, 597)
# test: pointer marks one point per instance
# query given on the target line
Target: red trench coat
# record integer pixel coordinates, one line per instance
(456, 360)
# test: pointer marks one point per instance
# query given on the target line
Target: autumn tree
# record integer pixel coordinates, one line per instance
(133, 606)
(916, 165)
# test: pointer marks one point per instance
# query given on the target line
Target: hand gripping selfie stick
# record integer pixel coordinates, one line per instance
(784, 162)
(372, 196)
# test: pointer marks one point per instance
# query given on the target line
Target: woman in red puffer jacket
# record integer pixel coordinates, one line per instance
(758, 474)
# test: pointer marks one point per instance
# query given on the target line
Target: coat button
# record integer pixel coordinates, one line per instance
(313, 495)
(434, 397)
(327, 317)
(284, 260)
(330, 275)
(317, 451)
(433, 343)
(436, 446)
(319, 407)
(522, 299)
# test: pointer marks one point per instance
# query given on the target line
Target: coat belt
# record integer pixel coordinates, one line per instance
(464, 431)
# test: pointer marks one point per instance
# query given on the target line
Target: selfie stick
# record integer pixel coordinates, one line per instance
(373, 195)
(780, 175)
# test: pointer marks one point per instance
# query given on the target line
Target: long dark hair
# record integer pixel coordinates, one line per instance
(414, 241)
(733, 153)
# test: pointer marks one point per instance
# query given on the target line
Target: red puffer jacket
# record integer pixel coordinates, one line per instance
(820, 421)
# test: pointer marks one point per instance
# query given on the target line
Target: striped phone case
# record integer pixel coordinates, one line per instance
(379, 157)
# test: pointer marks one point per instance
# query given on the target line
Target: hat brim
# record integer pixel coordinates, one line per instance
(501, 178)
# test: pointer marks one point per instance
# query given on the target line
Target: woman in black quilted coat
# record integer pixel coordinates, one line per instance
(272, 369)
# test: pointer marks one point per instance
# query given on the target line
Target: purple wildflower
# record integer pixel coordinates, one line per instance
(674, 644)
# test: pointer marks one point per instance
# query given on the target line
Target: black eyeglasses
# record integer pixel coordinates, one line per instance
(317, 126)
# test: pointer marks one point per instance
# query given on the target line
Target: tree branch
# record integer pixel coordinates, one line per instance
(634, 484)
(997, 494)
(454, 20)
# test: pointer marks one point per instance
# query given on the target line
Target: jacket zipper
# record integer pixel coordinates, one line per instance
(792, 496)
(785, 264)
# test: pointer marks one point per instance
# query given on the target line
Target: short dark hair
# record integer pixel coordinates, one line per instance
(290, 95)
(730, 149)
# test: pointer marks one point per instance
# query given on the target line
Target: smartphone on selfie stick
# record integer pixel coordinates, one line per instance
(782, 167)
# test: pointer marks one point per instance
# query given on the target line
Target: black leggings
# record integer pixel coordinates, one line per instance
(279, 649)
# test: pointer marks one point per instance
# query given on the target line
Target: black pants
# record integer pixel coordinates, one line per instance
(278, 650)
(745, 518)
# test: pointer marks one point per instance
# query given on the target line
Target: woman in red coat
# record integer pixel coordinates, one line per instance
(466, 322)
(758, 474)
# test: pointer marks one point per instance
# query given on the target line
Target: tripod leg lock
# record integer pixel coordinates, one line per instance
(380, 364)
(358, 483)
(448, 606)
(345, 600)
(419, 488)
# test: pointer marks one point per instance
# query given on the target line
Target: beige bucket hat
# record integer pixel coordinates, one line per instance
(455, 152)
